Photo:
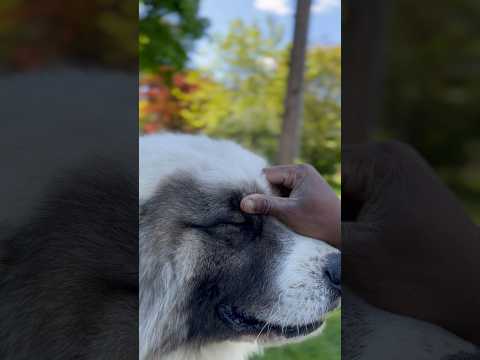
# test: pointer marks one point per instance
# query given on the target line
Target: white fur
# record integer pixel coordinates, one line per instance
(169, 284)
(224, 351)
(302, 296)
(211, 161)
(214, 162)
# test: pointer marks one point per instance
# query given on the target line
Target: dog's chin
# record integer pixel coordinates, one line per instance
(247, 325)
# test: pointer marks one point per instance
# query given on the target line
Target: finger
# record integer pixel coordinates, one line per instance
(285, 175)
(266, 205)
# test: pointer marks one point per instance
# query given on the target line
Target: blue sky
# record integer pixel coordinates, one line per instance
(325, 21)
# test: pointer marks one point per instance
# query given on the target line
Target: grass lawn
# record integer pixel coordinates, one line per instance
(324, 347)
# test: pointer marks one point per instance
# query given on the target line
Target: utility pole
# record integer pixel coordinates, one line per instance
(293, 103)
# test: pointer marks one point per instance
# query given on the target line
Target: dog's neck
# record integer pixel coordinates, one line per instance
(220, 351)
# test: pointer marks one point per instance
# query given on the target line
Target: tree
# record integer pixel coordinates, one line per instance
(97, 33)
(364, 39)
(158, 106)
(241, 96)
(290, 137)
(412, 72)
(168, 29)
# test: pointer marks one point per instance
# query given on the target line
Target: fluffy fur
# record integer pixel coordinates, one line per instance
(68, 223)
(69, 276)
(215, 281)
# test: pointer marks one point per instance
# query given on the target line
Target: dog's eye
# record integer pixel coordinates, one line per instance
(219, 225)
(235, 222)
(233, 234)
(226, 227)
(229, 225)
(223, 230)
(235, 219)
(231, 220)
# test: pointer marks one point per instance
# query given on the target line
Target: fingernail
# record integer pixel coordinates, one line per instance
(248, 205)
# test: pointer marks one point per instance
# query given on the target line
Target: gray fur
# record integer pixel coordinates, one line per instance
(182, 248)
(214, 280)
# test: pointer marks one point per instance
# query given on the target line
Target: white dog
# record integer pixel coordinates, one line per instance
(216, 283)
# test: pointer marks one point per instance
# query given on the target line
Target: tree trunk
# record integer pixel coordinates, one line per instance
(364, 37)
(293, 103)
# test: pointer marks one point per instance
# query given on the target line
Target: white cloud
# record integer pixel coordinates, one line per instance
(278, 7)
(268, 62)
(321, 6)
(282, 7)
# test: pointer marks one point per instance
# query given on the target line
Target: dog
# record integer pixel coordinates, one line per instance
(216, 283)
(69, 275)
(68, 215)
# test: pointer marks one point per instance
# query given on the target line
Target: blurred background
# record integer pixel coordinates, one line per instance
(412, 73)
(209, 66)
(68, 91)
(222, 68)
(38, 35)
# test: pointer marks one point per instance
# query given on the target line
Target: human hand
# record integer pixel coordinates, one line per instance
(407, 244)
(310, 208)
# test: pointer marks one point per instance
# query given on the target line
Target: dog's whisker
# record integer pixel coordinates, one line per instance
(266, 323)
(260, 333)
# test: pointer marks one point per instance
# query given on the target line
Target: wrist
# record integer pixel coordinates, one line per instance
(332, 225)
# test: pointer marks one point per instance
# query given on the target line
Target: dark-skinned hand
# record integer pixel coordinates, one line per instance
(309, 206)
(407, 244)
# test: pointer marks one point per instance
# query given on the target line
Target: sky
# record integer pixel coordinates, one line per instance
(325, 21)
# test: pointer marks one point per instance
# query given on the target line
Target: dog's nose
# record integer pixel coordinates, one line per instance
(333, 270)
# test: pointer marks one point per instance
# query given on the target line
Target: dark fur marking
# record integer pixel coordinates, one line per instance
(238, 251)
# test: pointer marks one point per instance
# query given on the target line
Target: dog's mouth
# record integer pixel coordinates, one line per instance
(247, 324)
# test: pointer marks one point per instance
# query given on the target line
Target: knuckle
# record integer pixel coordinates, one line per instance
(303, 170)
(291, 177)
(264, 206)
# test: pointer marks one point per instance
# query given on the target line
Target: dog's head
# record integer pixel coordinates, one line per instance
(210, 273)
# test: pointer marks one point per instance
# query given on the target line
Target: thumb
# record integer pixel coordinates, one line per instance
(265, 205)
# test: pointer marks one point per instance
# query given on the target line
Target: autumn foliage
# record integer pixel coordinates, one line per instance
(160, 105)
(34, 34)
